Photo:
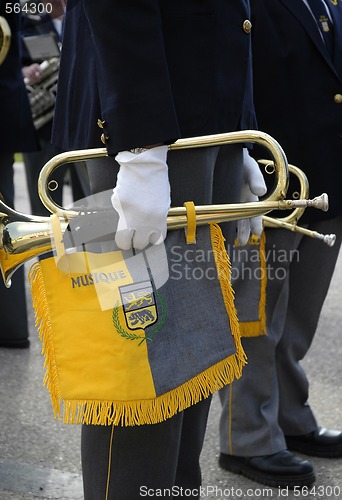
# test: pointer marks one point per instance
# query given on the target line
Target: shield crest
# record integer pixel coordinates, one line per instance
(139, 305)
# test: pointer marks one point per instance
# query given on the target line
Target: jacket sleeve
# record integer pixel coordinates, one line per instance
(133, 79)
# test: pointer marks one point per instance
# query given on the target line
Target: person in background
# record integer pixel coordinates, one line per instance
(49, 22)
(297, 62)
(17, 134)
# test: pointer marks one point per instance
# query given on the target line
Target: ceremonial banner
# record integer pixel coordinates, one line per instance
(125, 345)
(249, 280)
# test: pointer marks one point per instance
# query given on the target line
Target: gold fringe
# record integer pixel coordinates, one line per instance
(152, 411)
(223, 267)
(43, 325)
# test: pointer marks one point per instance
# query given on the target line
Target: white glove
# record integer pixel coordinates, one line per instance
(253, 186)
(141, 198)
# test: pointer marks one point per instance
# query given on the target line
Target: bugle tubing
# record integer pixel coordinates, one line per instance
(328, 239)
(207, 213)
(227, 212)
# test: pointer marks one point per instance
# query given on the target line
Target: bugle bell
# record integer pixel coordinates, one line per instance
(24, 236)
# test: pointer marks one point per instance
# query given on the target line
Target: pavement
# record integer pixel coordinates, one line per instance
(40, 457)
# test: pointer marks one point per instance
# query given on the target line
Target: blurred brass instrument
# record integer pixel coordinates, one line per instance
(42, 95)
(5, 39)
(25, 236)
(290, 221)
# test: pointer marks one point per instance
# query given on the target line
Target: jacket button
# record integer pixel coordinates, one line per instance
(104, 138)
(101, 123)
(338, 98)
(247, 26)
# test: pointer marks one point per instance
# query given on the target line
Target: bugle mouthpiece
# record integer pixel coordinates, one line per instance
(329, 239)
(320, 202)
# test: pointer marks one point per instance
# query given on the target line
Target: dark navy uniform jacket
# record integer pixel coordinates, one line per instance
(153, 71)
(298, 92)
(17, 132)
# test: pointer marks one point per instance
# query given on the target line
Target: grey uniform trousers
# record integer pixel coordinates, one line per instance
(271, 398)
(164, 455)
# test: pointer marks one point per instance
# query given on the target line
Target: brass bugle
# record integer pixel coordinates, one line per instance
(207, 213)
(26, 236)
(228, 212)
(290, 221)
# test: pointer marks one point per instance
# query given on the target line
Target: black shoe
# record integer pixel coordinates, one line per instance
(281, 469)
(15, 343)
(319, 443)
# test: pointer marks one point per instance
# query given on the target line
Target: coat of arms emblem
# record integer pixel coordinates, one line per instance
(139, 306)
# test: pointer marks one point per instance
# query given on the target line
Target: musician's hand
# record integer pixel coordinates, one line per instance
(253, 186)
(142, 198)
(31, 74)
